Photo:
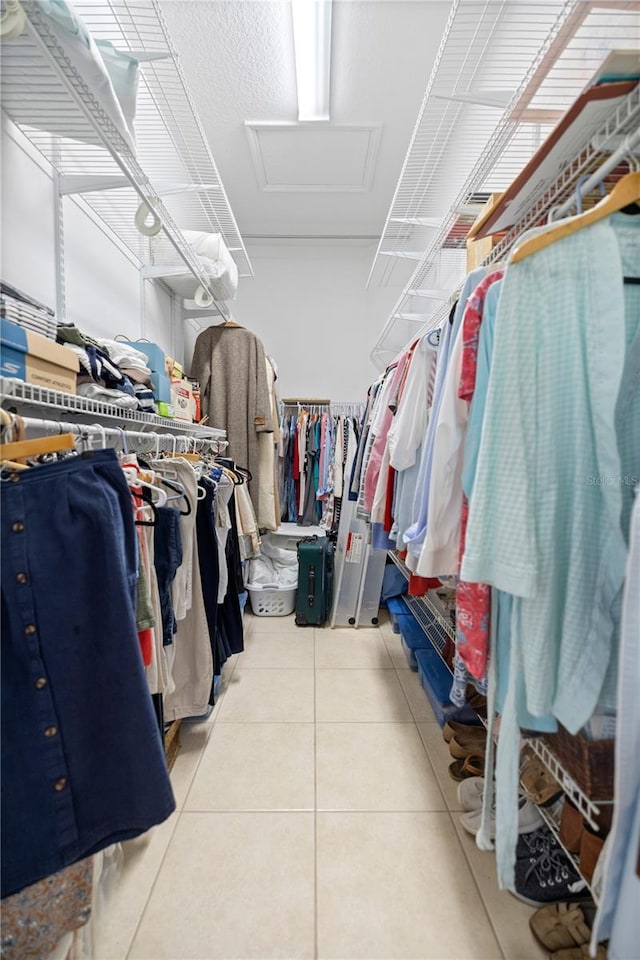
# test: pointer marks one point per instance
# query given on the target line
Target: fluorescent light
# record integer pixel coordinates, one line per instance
(312, 42)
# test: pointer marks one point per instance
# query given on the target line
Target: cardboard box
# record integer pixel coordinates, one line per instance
(36, 359)
(176, 370)
(477, 250)
(182, 400)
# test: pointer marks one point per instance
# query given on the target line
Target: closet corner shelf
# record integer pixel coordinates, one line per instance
(172, 170)
(29, 396)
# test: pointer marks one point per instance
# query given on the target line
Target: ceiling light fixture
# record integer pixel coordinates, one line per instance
(312, 42)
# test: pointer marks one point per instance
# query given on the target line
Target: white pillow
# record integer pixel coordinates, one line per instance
(82, 52)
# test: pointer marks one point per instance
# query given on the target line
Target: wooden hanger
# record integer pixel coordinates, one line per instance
(625, 193)
(229, 323)
(33, 448)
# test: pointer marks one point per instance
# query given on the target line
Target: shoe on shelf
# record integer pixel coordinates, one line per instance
(468, 744)
(470, 793)
(544, 873)
(560, 926)
(452, 728)
(529, 819)
(469, 767)
(580, 953)
(536, 780)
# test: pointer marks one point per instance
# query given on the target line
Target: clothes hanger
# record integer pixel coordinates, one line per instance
(147, 501)
(625, 193)
(33, 448)
(135, 481)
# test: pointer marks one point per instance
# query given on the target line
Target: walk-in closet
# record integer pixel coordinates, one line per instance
(320, 479)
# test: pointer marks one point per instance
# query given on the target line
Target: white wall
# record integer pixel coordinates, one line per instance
(309, 305)
(102, 279)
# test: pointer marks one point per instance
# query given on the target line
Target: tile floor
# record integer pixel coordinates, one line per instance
(315, 818)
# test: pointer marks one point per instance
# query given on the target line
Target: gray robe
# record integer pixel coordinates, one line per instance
(229, 363)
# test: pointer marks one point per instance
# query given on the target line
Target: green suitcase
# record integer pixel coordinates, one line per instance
(315, 581)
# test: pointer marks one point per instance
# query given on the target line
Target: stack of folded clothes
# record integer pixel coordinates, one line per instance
(22, 309)
(110, 371)
(133, 365)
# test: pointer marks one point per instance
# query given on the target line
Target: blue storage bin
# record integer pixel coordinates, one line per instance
(436, 680)
(13, 349)
(397, 613)
(413, 638)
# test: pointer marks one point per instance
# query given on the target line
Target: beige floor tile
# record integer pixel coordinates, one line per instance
(256, 766)
(277, 651)
(374, 766)
(396, 886)
(351, 649)
(510, 917)
(440, 759)
(383, 617)
(268, 696)
(394, 647)
(387, 629)
(117, 920)
(193, 740)
(359, 696)
(227, 675)
(279, 625)
(234, 885)
(420, 706)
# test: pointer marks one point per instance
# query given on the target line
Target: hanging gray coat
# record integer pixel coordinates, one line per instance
(229, 362)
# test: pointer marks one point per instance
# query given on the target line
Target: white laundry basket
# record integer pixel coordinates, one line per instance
(272, 601)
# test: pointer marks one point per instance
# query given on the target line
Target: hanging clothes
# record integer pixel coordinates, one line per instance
(563, 400)
(268, 508)
(229, 363)
(36, 919)
(415, 535)
(71, 665)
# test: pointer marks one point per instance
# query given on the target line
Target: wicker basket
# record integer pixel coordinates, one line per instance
(588, 762)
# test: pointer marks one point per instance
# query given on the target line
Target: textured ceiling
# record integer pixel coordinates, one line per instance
(238, 59)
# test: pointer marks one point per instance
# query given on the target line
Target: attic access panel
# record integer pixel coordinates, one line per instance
(314, 158)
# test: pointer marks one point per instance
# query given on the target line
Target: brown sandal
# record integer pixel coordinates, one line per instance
(560, 926)
(469, 767)
(454, 728)
(466, 745)
(580, 953)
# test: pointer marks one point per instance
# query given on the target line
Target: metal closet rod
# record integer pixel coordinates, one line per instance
(124, 436)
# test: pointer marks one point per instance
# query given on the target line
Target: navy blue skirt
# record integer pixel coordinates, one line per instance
(82, 759)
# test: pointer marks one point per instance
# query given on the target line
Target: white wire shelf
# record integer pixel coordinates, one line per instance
(591, 155)
(576, 41)
(29, 396)
(589, 807)
(172, 169)
(485, 53)
(429, 612)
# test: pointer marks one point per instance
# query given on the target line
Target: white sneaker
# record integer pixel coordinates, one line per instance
(470, 793)
(529, 819)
